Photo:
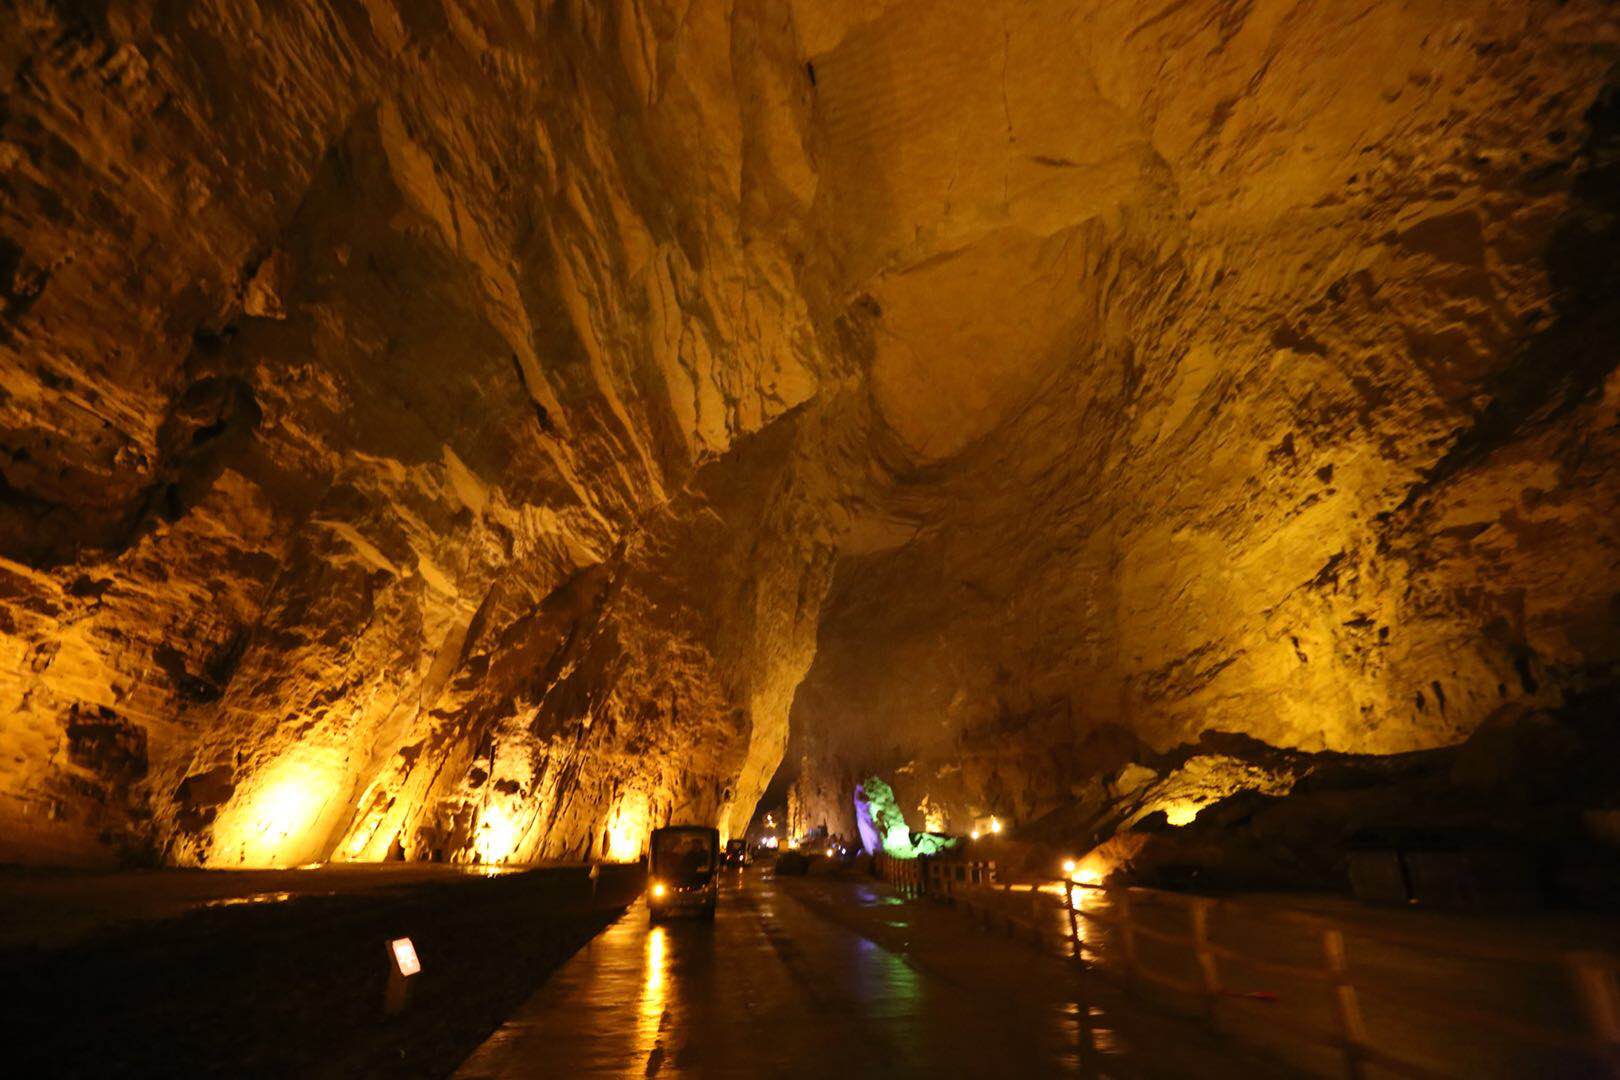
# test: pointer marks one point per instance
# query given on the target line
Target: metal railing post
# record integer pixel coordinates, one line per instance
(1351, 1025)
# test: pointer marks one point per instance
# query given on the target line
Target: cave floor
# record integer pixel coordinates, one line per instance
(817, 977)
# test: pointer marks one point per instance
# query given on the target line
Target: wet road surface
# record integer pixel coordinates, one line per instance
(832, 978)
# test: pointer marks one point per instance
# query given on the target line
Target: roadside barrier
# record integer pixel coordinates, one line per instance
(1031, 911)
(904, 874)
(918, 877)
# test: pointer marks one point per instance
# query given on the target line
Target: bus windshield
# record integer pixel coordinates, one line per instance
(683, 851)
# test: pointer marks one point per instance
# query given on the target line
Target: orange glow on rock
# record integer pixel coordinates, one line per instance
(1181, 812)
(280, 819)
(500, 830)
(628, 827)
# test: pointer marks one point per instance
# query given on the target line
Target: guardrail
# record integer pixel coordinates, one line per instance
(1031, 909)
(915, 877)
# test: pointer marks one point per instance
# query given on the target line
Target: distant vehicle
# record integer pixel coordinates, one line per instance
(737, 853)
(681, 870)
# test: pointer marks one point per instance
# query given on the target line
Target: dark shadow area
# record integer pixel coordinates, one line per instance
(1566, 363)
(257, 986)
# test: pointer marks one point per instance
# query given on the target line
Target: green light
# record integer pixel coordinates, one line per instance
(895, 835)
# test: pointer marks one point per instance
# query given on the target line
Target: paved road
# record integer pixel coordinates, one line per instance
(831, 979)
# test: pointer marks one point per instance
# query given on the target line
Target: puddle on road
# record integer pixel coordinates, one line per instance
(866, 896)
(1086, 1028)
(654, 998)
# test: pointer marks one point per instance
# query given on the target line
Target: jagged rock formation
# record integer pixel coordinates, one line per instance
(361, 372)
(464, 430)
(1324, 451)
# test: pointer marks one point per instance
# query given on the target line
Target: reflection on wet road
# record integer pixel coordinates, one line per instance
(816, 978)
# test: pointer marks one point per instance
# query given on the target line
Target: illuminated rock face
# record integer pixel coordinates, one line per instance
(464, 431)
(376, 392)
(1263, 375)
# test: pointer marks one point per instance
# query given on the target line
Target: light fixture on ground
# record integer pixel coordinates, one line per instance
(403, 966)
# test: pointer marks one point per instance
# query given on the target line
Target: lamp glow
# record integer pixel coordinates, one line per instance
(499, 832)
(659, 888)
(1068, 867)
(406, 961)
(628, 828)
(276, 819)
(1181, 812)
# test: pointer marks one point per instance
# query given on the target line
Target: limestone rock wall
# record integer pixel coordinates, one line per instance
(1286, 393)
(355, 357)
(472, 429)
